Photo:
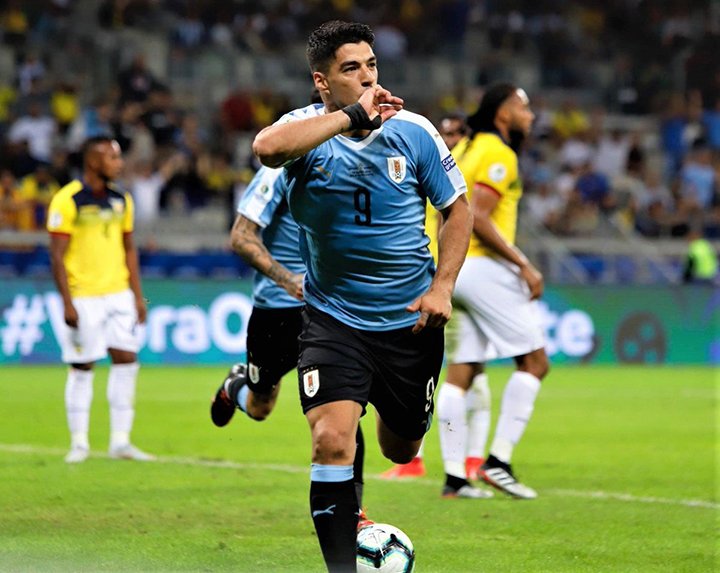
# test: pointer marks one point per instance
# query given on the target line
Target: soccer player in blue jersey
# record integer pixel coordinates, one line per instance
(360, 170)
(266, 236)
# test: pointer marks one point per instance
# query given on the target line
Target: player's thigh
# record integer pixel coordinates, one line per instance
(122, 327)
(333, 363)
(498, 302)
(272, 345)
(88, 342)
(406, 372)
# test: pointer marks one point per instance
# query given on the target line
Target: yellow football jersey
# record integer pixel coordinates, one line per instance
(432, 226)
(487, 160)
(95, 259)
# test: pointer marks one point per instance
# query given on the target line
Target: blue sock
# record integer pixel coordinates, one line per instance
(241, 399)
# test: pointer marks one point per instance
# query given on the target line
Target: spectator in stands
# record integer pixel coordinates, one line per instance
(711, 123)
(236, 112)
(31, 70)
(672, 127)
(570, 120)
(93, 121)
(36, 128)
(576, 150)
(36, 191)
(611, 152)
(628, 190)
(697, 180)
(127, 127)
(10, 202)
(594, 188)
(16, 157)
(219, 178)
(8, 95)
(14, 24)
(118, 14)
(161, 117)
(191, 138)
(65, 105)
(543, 206)
(188, 33)
(60, 167)
(136, 81)
(145, 182)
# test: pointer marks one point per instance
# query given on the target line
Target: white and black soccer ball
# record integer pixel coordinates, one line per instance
(385, 548)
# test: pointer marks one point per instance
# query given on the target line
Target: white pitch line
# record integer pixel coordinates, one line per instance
(291, 469)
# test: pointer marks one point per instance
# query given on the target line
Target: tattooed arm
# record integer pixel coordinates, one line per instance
(247, 242)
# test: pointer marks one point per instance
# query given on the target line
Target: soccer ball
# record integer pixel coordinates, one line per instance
(382, 547)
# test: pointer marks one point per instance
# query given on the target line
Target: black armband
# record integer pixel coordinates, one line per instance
(359, 118)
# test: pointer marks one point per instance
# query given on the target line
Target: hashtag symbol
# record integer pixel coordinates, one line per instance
(22, 325)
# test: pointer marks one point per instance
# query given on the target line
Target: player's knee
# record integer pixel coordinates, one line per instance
(332, 445)
(536, 363)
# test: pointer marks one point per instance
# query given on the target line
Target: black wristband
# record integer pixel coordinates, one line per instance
(359, 118)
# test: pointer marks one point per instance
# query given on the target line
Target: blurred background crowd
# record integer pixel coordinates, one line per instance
(626, 143)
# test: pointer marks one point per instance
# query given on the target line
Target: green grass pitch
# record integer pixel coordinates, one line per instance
(625, 461)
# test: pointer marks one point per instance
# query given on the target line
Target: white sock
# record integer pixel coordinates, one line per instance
(477, 402)
(517, 407)
(78, 397)
(453, 428)
(121, 396)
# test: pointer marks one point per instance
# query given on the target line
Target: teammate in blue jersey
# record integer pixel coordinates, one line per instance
(360, 170)
(266, 236)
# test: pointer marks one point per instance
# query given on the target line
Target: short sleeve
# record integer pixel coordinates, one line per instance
(61, 214)
(439, 175)
(262, 196)
(498, 169)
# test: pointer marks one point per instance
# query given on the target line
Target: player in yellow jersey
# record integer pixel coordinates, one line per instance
(497, 289)
(96, 271)
(452, 128)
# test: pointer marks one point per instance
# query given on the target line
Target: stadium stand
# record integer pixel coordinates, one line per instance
(624, 159)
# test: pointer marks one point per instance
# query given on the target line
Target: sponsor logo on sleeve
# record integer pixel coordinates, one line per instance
(448, 163)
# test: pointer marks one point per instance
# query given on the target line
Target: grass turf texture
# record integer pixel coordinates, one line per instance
(624, 460)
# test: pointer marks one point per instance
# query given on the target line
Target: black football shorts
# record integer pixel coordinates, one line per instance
(272, 346)
(396, 371)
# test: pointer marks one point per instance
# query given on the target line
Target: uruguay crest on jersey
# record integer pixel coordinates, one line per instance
(396, 168)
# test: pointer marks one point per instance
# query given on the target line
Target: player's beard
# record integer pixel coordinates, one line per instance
(517, 137)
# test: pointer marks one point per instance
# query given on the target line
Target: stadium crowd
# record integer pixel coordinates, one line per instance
(587, 172)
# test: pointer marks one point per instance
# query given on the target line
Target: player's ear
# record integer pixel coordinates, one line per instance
(320, 81)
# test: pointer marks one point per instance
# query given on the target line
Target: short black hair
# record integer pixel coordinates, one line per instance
(328, 37)
(91, 142)
(484, 118)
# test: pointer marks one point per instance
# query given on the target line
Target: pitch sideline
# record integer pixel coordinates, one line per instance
(210, 463)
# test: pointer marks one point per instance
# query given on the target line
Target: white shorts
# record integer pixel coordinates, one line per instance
(493, 316)
(108, 321)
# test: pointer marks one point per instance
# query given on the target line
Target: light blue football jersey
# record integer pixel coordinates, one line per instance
(360, 204)
(264, 202)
